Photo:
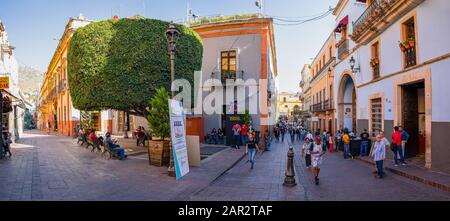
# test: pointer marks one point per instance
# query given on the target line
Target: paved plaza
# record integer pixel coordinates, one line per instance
(50, 167)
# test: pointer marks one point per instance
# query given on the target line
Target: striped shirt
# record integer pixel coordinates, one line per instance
(379, 151)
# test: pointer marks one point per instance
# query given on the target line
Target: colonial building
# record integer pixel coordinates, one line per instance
(392, 69)
(239, 47)
(14, 120)
(55, 103)
(288, 104)
(321, 84)
(305, 95)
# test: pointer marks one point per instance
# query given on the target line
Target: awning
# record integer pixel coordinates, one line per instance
(341, 24)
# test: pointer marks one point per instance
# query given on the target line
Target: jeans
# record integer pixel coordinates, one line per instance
(251, 155)
(282, 137)
(363, 148)
(120, 150)
(325, 145)
(379, 168)
(237, 139)
(221, 139)
(400, 153)
(403, 147)
(244, 139)
(346, 150)
(268, 142)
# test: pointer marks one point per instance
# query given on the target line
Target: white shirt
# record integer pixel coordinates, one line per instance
(379, 151)
(306, 148)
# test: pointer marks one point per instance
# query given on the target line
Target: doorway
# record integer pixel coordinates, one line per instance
(413, 118)
(347, 103)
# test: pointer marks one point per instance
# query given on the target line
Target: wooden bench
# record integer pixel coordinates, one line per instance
(107, 151)
(95, 144)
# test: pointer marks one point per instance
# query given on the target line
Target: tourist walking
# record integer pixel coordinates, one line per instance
(316, 155)
(396, 146)
(283, 132)
(309, 136)
(405, 137)
(364, 143)
(48, 127)
(244, 133)
(346, 141)
(379, 155)
(330, 142)
(236, 134)
(338, 140)
(268, 140)
(251, 149)
(306, 152)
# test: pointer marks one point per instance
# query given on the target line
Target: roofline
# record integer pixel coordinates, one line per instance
(323, 46)
(232, 22)
(339, 6)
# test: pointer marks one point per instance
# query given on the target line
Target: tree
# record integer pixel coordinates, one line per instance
(296, 111)
(120, 64)
(158, 117)
(247, 118)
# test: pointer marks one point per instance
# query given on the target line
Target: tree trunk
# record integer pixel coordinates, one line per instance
(125, 125)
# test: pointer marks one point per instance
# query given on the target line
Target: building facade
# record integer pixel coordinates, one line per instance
(13, 121)
(240, 48)
(55, 103)
(288, 105)
(392, 70)
(305, 95)
(321, 83)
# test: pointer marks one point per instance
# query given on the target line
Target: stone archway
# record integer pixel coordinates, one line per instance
(347, 102)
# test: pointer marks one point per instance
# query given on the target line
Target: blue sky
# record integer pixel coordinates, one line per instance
(32, 25)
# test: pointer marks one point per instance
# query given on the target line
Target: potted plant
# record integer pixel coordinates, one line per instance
(411, 42)
(159, 124)
(385, 3)
(402, 47)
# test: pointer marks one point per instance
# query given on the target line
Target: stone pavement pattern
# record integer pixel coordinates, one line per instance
(55, 168)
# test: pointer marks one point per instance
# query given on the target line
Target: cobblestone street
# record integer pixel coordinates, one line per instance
(55, 168)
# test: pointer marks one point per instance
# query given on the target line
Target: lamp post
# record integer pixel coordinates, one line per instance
(352, 65)
(172, 35)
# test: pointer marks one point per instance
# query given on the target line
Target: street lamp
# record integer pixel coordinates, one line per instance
(172, 35)
(352, 65)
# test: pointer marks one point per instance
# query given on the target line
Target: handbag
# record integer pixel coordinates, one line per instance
(393, 146)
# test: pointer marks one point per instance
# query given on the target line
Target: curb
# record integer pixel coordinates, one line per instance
(432, 183)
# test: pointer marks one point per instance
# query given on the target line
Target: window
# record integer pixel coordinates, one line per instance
(323, 60)
(228, 64)
(284, 99)
(375, 60)
(376, 116)
(331, 53)
(409, 46)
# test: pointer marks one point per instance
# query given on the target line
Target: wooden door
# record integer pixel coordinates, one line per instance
(410, 118)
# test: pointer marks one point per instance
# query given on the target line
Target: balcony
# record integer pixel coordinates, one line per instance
(342, 49)
(51, 94)
(225, 75)
(410, 57)
(62, 86)
(379, 16)
(322, 106)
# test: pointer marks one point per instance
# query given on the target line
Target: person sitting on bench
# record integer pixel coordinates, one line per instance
(115, 147)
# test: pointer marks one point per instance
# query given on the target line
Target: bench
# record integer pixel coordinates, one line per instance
(107, 151)
(82, 138)
(95, 144)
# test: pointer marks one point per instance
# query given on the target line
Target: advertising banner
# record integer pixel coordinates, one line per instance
(178, 135)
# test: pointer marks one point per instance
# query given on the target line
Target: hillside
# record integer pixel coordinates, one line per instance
(30, 82)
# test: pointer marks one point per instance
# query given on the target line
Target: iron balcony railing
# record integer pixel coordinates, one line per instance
(225, 75)
(321, 106)
(342, 49)
(376, 10)
(410, 57)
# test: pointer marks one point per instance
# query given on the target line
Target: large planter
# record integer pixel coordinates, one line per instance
(159, 152)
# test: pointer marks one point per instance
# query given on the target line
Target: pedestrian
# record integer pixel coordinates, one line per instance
(306, 152)
(48, 127)
(396, 146)
(244, 133)
(385, 142)
(325, 140)
(268, 140)
(346, 141)
(338, 140)
(283, 132)
(309, 135)
(364, 143)
(316, 155)
(405, 137)
(330, 142)
(379, 155)
(276, 133)
(251, 149)
(237, 135)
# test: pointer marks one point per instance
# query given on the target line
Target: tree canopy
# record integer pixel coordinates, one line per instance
(120, 64)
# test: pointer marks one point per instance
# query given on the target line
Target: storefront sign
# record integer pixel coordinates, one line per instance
(314, 119)
(178, 134)
(4, 82)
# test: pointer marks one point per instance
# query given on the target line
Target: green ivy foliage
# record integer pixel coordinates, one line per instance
(158, 117)
(120, 64)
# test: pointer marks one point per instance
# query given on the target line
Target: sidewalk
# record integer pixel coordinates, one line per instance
(435, 179)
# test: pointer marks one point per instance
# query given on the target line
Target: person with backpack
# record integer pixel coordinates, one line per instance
(306, 152)
(364, 143)
(396, 146)
(405, 137)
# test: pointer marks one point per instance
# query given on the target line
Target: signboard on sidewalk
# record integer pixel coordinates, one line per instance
(4, 82)
(178, 135)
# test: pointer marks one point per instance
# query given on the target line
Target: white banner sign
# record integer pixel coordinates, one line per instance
(178, 134)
